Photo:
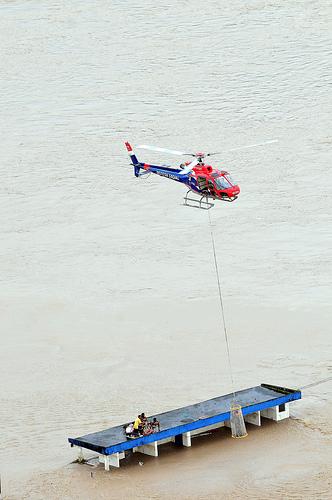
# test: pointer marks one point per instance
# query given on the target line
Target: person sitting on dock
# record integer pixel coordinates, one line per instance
(129, 429)
(155, 424)
(147, 429)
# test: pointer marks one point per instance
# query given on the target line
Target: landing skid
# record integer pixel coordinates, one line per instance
(203, 202)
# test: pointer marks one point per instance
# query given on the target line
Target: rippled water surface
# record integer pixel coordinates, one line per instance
(108, 295)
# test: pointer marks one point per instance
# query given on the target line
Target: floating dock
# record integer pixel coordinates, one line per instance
(180, 425)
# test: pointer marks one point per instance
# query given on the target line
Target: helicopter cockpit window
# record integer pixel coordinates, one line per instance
(230, 180)
(222, 183)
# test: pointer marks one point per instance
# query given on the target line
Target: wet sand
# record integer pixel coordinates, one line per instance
(108, 295)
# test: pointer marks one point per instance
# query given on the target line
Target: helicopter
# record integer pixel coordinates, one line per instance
(201, 179)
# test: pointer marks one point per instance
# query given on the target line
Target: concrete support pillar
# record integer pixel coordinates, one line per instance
(114, 460)
(148, 449)
(276, 413)
(80, 456)
(253, 418)
(111, 460)
(186, 439)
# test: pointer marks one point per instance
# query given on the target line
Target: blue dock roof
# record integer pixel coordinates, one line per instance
(189, 418)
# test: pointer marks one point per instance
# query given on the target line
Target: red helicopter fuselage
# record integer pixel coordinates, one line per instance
(214, 183)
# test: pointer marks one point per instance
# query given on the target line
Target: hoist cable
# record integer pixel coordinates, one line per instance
(313, 384)
(221, 304)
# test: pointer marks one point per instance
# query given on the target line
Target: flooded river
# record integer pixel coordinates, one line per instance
(108, 293)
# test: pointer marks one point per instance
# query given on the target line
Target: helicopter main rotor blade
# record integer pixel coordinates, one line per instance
(163, 150)
(243, 147)
(189, 167)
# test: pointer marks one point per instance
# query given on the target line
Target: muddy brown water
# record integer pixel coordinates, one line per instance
(108, 294)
